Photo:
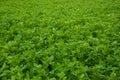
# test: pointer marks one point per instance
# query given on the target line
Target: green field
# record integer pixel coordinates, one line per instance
(59, 39)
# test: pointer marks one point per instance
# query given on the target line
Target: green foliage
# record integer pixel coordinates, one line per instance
(59, 40)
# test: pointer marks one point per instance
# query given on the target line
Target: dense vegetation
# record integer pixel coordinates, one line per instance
(59, 39)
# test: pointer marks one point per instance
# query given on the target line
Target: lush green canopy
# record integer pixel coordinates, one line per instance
(59, 39)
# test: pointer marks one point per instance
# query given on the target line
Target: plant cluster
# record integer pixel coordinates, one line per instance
(60, 40)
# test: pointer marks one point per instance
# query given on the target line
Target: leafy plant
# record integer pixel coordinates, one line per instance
(60, 40)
